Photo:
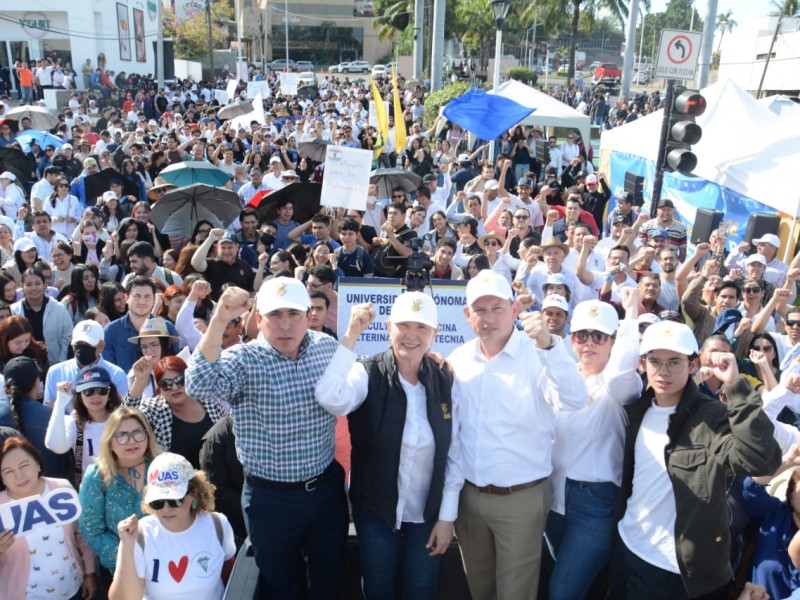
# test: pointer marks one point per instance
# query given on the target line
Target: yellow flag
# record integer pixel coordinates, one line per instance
(383, 120)
(399, 123)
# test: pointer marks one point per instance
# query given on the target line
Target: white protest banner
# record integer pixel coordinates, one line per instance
(254, 88)
(372, 119)
(58, 507)
(243, 122)
(289, 84)
(346, 181)
(221, 96)
(231, 89)
(450, 297)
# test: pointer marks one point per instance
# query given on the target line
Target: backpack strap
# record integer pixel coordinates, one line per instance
(140, 540)
(217, 527)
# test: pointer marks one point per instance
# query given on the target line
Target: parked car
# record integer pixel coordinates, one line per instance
(641, 77)
(379, 71)
(305, 65)
(282, 64)
(306, 78)
(563, 70)
(357, 66)
(607, 75)
(338, 68)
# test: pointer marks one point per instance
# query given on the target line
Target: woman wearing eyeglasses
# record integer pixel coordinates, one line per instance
(93, 400)
(112, 488)
(179, 422)
(181, 548)
(589, 445)
(64, 209)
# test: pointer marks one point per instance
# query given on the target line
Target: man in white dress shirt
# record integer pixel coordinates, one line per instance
(506, 390)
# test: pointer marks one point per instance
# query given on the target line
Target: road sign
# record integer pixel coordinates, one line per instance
(678, 53)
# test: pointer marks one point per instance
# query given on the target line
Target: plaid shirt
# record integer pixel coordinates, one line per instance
(282, 434)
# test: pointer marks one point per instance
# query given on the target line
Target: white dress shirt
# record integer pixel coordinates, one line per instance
(344, 387)
(506, 408)
(590, 442)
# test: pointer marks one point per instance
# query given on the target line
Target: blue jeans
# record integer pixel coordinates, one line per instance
(580, 540)
(27, 94)
(283, 524)
(385, 553)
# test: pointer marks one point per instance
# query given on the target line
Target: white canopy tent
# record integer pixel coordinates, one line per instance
(781, 105)
(549, 111)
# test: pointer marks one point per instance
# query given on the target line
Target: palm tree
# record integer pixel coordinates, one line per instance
(725, 22)
(787, 8)
(555, 12)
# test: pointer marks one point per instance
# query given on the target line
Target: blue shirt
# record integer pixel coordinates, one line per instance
(68, 370)
(309, 239)
(119, 350)
(282, 433)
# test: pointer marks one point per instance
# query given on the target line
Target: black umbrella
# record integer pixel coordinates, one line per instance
(19, 163)
(179, 210)
(307, 92)
(99, 183)
(304, 196)
(389, 179)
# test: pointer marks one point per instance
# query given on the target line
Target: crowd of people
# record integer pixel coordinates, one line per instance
(613, 427)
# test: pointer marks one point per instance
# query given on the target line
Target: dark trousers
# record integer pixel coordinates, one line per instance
(283, 524)
(643, 580)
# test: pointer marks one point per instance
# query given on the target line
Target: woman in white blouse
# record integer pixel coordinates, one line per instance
(65, 210)
(404, 483)
(496, 247)
(589, 445)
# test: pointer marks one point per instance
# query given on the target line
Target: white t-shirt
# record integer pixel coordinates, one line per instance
(648, 527)
(185, 565)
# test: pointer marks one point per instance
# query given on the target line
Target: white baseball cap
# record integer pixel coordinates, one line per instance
(108, 196)
(668, 335)
(556, 301)
(8, 175)
(89, 332)
(650, 318)
(595, 315)
(492, 184)
(767, 238)
(414, 307)
(282, 292)
(23, 244)
(168, 477)
(759, 258)
(488, 283)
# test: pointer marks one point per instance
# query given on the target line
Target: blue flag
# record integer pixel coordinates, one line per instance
(485, 115)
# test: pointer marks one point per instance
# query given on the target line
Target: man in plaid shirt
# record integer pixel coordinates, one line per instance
(293, 498)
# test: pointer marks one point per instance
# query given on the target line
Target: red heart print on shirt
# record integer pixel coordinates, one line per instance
(179, 570)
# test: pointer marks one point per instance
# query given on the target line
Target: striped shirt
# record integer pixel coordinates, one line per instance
(282, 433)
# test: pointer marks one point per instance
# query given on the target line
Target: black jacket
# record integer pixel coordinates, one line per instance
(376, 434)
(706, 438)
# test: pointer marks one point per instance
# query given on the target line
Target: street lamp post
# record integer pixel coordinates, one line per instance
(500, 9)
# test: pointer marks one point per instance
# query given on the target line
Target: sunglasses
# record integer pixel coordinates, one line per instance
(791, 323)
(159, 504)
(167, 384)
(752, 290)
(522, 217)
(643, 327)
(399, 196)
(491, 243)
(598, 337)
(101, 391)
(63, 185)
(763, 348)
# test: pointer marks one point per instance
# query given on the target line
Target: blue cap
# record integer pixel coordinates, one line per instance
(660, 232)
(555, 279)
(727, 317)
(228, 237)
(525, 181)
(92, 377)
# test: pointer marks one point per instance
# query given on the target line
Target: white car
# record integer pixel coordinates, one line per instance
(641, 77)
(379, 71)
(306, 78)
(357, 66)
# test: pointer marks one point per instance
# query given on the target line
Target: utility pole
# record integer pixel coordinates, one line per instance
(419, 38)
(160, 45)
(630, 45)
(769, 55)
(707, 44)
(210, 45)
(437, 45)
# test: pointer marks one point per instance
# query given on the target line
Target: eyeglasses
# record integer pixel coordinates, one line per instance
(752, 290)
(59, 254)
(124, 437)
(673, 365)
(63, 185)
(204, 231)
(151, 346)
(159, 504)
(598, 337)
(102, 391)
(791, 323)
(167, 384)
(763, 348)
(522, 217)
(314, 286)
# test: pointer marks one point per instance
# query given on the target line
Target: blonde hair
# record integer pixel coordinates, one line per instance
(200, 487)
(107, 460)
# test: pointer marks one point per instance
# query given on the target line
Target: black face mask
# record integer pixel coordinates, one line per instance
(267, 239)
(85, 355)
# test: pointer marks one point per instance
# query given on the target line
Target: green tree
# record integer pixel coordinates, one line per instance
(725, 22)
(787, 8)
(556, 12)
(477, 29)
(191, 36)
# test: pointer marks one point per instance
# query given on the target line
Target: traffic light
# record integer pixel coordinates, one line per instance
(683, 131)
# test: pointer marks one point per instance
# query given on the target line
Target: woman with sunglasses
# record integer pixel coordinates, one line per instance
(762, 362)
(180, 522)
(93, 400)
(65, 210)
(53, 558)
(112, 488)
(752, 302)
(589, 445)
(179, 422)
(495, 247)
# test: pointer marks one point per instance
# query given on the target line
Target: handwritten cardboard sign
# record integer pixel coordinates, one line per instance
(346, 181)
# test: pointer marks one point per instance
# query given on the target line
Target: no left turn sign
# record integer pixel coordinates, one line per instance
(678, 54)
